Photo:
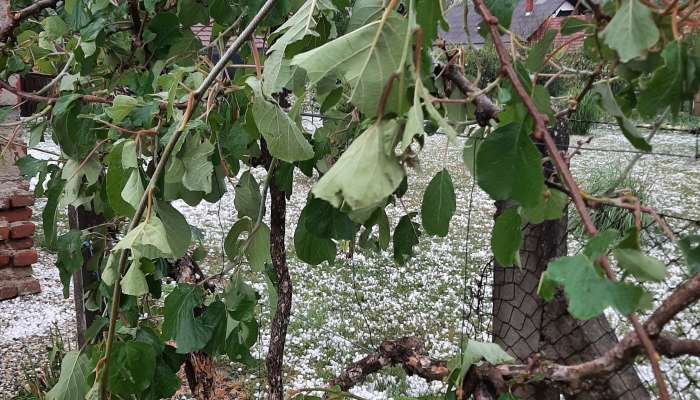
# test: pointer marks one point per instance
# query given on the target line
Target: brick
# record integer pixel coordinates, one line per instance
(22, 199)
(5, 258)
(4, 201)
(16, 214)
(21, 229)
(17, 244)
(8, 292)
(28, 286)
(11, 274)
(4, 230)
(24, 257)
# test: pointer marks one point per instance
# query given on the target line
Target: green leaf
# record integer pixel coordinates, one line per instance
(607, 101)
(405, 238)
(192, 12)
(148, 239)
(233, 245)
(311, 248)
(247, 200)
(507, 238)
(364, 58)
(70, 257)
(600, 244)
(54, 26)
(508, 166)
(537, 53)
(364, 175)
(475, 351)
(550, 207)
(177, 230)
(180, 324)
(134, 281)
(132, 366)
(640, 265)
(121, 107)
(197, 164)
(240, 299)
(116, 181)
(64, 102)
(73, 382)
(439, 204)
(222, 11)
(501, 9)
(671, 84)
(325, 221)
(364, 12)
(258, 252)
(429, 15)
(690, 247)
(284, 139)
(588, 292)
(631, 31)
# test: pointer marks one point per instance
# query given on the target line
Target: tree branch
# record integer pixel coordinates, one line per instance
(10, 19)
(486, 110)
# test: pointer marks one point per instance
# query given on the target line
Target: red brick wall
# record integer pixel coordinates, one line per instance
(17, 253)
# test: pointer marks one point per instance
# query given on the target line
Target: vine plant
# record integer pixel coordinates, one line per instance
(143, 117)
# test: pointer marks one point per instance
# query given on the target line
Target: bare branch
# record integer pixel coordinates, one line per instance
(485, 108)
(10, 19)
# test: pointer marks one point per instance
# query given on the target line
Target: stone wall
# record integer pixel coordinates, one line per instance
(17, 253)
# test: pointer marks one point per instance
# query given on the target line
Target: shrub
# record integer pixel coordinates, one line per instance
(586, 111)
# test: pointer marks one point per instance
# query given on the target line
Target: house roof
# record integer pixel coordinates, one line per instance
(523, 24)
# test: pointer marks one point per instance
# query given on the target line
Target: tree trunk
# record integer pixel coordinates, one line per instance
(82, 218)
(525, 325)
(280, 322)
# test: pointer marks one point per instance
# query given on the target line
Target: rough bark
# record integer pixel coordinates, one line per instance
(280, 321)
(526, 326)
(83, 279)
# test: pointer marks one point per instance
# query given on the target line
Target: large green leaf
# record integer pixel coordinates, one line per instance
(132, 367)
(233, 244)
(406, 237)
(550, 207)
(364, 58)
(507, 238)
(284, 139)
(538, 52)
(197, 164)
(177, 230)
(672, 84)
(121, 107)
(429, 16)
(258, 251)
(640, 265)
(148, 239)
(326, 221)
(588, 292)
(73, 382)
(180, 324)
(364, 12)
(508, 166)
(439, 204)
(607, 101)
(365, 174)
(310, 247)
(247, 200)
(631, 31)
